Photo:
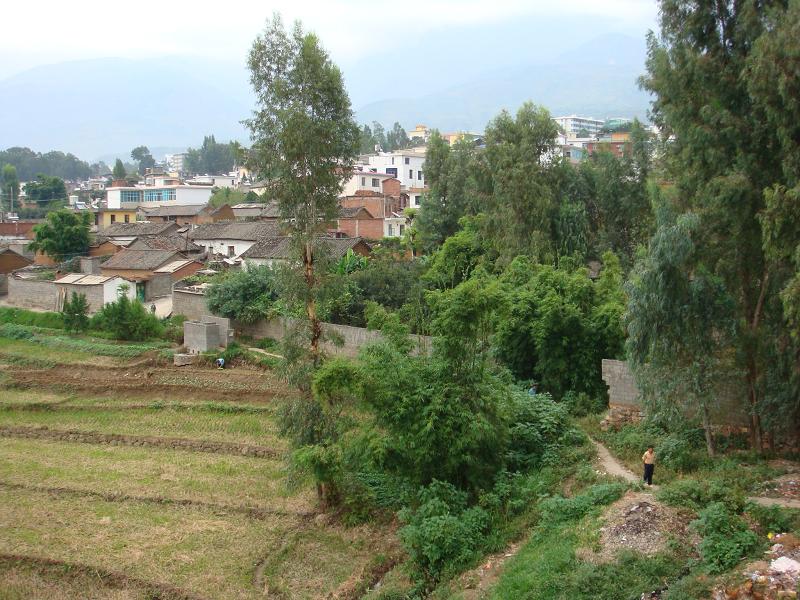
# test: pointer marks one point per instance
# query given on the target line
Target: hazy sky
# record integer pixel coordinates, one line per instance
(38, 32)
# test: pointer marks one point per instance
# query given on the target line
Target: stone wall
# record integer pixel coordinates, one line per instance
(160, 284)
(91, 264)
(31, 293)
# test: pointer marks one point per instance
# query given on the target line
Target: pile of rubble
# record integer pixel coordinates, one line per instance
(785, 486)
(775, 577)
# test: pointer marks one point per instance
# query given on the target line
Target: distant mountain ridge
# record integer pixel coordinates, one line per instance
(102, 108)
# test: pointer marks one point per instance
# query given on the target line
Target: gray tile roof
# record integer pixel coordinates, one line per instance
(354, 212)
(164, 242)
(141, 260)
(280, 248)
(137, 229)
(232, 230)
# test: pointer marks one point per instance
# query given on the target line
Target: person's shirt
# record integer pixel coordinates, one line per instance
(649, 458)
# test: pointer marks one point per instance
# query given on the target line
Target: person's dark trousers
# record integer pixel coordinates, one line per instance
(648, 474)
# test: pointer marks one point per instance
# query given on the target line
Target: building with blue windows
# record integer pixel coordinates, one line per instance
(153, 196)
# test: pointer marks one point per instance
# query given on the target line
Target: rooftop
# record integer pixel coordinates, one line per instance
(84, 279)
(354, 212)
(279, 248)
(165, 242)
(137, 229)
(178, 210)
(141, 260)
(232, 230)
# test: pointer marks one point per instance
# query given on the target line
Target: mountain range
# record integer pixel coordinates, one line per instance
(104, 107)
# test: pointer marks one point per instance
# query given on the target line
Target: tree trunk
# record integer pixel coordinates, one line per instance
(710, 446)
(756, 440)
(311, 305)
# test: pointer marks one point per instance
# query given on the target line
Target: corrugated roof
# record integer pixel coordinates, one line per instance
(173, 266)
(176, 210)
(84, 279)
(141, 260)
(231, 230)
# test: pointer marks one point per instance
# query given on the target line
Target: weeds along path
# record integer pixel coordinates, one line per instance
(115, 439)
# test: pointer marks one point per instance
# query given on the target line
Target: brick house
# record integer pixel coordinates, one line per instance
(231, 238)
(357, 221)
(11, 261)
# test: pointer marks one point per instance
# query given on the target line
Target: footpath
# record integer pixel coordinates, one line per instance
(612, 466)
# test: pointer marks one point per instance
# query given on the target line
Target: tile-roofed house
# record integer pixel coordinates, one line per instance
(98, 289)
(279, 249)
(257, 211)
(130, 231)
(142, 267)
(232, 238)
(189, 214)
(166, 242)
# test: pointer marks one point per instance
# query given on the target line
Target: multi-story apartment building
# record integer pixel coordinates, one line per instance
(407, 166)
(572, 125)
(133, 197)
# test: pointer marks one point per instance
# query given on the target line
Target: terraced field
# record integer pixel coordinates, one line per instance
(129, 478)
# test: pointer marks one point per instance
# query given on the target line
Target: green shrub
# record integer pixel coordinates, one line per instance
(696, 494)
(442, 536)
(173, 328)
(75, 312)
(246, 295)
(726, 537)
(676, 452)
(581, 404)
(560, 510)
(771, 518)
(15, 332)
(536, 427)
(128, 320)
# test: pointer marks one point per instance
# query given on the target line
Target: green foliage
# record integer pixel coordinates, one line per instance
(213, 158)
(226, 195)
(726, 537)
(15, 332)
(45, 188)
(537, 426)
(559, 510)
(9, 185)
(75, 313)
(142, 156)
(247, 295)
(128, 320)
(119, 170)
(64, 235)
(29, 163)
(20, 316)
(442, 535)
(697, 494)
(773, 519)
(350, 263)
(458, 256)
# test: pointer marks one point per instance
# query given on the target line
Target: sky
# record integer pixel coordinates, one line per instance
(39, 32)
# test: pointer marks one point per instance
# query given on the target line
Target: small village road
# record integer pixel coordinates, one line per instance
(612, 466)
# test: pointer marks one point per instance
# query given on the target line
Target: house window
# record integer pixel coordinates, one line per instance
(411, 173)
(393, 160)
(402, 227)
(97, 218)
(391, 230)
(231, 250)
(417, 200)
(375, 182)
(127, 218)
(363, 181)
(419, 175)
(113, 218)
(392, 171)
(408, 161)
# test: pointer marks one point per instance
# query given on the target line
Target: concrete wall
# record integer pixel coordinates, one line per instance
(31, 293)
(3, 283)
(94, 295)
(201, 337)
(189, 304)
(159, 285)
(91, 264)
(621, 384)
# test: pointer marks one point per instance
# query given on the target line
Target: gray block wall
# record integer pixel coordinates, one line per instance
(621, 384)
(201, 337)
(31, 293)
(159, 285)
(189, 304)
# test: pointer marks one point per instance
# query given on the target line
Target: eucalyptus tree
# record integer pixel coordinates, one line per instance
(305, 137)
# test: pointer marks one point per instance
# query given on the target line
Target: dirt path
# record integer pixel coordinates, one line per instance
(613, 467)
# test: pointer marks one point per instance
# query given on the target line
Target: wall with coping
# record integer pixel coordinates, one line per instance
(31, 293)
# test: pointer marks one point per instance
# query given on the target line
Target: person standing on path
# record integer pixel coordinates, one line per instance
(649, 460)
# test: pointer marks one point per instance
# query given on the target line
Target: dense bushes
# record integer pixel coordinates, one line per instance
(726, 537)
(247, 295)
(127, 320)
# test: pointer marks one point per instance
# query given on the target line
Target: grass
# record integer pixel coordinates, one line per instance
(251, 428)
(191, 548)
(133, 471)
(29, 353)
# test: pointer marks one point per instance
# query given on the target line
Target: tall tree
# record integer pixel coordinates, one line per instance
(119, 170)
(46, 189)
(9, 186)
(397, 138)
(723, 156)
(63, 235)
(303, 132)
(145, 160)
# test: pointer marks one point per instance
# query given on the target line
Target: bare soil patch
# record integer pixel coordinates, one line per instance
(639, 523)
